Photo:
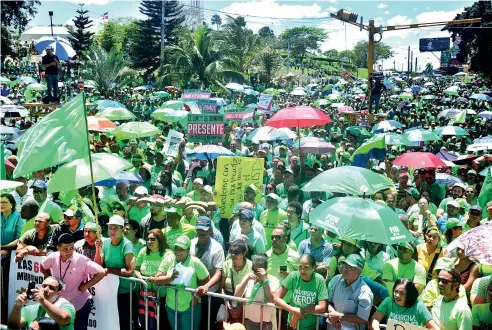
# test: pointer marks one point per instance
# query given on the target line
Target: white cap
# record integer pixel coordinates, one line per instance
(140, 190)
(116, 220)
(198, 180)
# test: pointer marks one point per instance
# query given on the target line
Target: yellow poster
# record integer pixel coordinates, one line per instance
(234, 174)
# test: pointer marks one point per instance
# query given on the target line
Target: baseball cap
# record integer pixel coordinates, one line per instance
(352, 241)
(354, 260)
(408, 246)
(288, 171)
(247, 213)
(116, 220)
(459, 184)
(39, 184)
(73, 211)
(203, 223)
(412, 191)
(208, 189)
(476, 209)
(472, 172)
(453, 222)
(273, 196)
(404, 174)
(461, 202)
(198, 180)
(254, 188)
(444, 263)
(183, 242)
(141, 190)
(453, 203)
(92, 226)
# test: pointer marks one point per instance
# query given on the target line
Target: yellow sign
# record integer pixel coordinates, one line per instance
(234, 174)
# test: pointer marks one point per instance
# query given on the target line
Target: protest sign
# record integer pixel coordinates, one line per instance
(205, 128)
(207, 106)
(104, 313)
(234, 174)
(397, 325)
(173, 140)
(239, 117)
(265, 103)
(195, 94)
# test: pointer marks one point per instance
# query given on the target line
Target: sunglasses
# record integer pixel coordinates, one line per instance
(444, 281)
(52, 287)
(68, 217)
(274, 237)
(235, 252)
(117, 209)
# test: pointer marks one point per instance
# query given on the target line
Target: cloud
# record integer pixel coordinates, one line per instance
(332, 9)
(386, 12)
(332, 1)
(89, 2)
(399, 20)
(336, 36)
(69, 21)
(430, 16)
(382, 6)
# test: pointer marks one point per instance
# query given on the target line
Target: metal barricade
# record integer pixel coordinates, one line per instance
(146, 298)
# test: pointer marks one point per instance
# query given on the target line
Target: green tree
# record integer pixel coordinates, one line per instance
(107, 68)
(381, 52)
(266, 32)
(216, 20)
(332, 54)
(429, 69)
(14, 16)
(475, 39)
(80, 38)
(146, 50)
(120, 34)
(268, 63)
(303, 39)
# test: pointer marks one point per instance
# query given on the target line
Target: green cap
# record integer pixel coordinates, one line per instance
(183, 242)
(408, 246)
(453, 222)
(92, 226)
(444, 263)
(413, 192)
(354, 260)
(462, 203)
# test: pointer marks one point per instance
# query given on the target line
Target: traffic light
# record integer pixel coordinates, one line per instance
(346, 15)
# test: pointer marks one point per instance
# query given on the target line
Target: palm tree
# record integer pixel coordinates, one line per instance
(268, 63)
(107, 69)
(216, 20)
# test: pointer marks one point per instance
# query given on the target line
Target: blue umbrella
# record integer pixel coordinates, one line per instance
(485, 114)
(26, 80)
(444, 155)
(443, 178)
(461, 99)
(416, 89)
(127, 176)
(209, 151)
(103, 104)
(480, 97)
(61, 47)
(385, 126)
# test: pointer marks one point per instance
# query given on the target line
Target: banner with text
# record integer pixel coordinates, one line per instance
(173, 140)
(196, 94)
(206, 128)
(265, 103)
(207, 106)
(239, 117)
(234, 174)
(104, 313)
(399, 325)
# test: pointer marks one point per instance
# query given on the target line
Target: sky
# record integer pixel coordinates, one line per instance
(281, 15)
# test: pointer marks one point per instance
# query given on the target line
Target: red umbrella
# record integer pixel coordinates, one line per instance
(298, 116)
(97, 123)
(418, 160)
(9, 167)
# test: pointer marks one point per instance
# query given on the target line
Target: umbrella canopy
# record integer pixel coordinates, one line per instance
(271, 91)
(485, 114)
(117, 114)
(7, 130)
(76, 174)
(448, 113)
(173, 104)
(358, 131)
(420, 135)
(7, 184)
(298, 116)
(484, 143)
(395, 139)
(160, 113)
(37, 87)
(209, 151)
(162, 94)
(26, 80)
(313, 145)
(480, 97)
(4, 80)
(453, 90)
(427, 84)
(418, 160)
(444, 155)
(451, 130)
(477, 243)
(235, 87)
(5, 101)
(361, 219)
(298, 92)
(135, 129)
(385, 126)
(103, 104)
(443, 178)
(429, 97)
(344, 108)
(318, 103)
(267, 133)
(127, 176)
(405, 96)
(350, 180)
(101, 124)
(175, 116)
(61, 47)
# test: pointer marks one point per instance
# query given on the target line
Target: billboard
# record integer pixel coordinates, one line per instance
(434, 44)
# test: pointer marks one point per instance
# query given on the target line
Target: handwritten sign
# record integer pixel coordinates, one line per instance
(265, 103)
(239, 117)
(173, 140)
(234, 174)
(397, 325)
(205, 128)
(196, 94)
(207, 106)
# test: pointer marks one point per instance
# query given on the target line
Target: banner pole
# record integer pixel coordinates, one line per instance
(90, 162)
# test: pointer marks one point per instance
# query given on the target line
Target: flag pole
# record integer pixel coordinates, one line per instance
(95, 208)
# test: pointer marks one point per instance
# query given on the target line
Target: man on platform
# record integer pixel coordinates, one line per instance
(50, 64)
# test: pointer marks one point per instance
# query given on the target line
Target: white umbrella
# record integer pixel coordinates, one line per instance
(298, 92)
(235, 87)
(5, 101)
(7, 184)
(427, 84)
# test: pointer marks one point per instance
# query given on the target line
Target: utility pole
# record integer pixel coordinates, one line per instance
(394, 65)
(411, 64)
(408, 61)
(163, 28)
(416, 71)
(51, 21)
(288, 55)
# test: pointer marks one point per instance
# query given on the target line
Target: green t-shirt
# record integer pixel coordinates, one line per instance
(305, 294)
(269, 220)
(114, 257)
(289, 258)
(416, 315)
(31, 312)
(480, 286)
(482, 316)
(228, 270)
(453, 315)
(53, 209)
(148, 265)
(138, 214)
(394, 269)
(172, 234)
(200, 272)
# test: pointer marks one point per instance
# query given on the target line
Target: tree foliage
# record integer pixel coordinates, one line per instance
(359, 57)
(80, 38)
(120, 34)
(266, 32)
(475, 43)
(216, 20)
(303, 39)
(268, 64)
(14, 16)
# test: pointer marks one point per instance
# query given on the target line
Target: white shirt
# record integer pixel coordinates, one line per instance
(213, 258)
(253, 311)
(19, 200)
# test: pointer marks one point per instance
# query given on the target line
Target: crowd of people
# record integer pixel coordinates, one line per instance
(168, 232)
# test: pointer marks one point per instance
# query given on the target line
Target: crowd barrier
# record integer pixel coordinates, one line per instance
(135, 280)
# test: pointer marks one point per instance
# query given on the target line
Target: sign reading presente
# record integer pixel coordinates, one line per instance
(205, 128)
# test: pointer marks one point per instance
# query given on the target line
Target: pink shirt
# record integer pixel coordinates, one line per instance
(73, 272)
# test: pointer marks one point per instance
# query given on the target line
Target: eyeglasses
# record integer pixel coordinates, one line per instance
(444, 281)
(274, 237)
(235, 252)
(52, 287)
(68, 217)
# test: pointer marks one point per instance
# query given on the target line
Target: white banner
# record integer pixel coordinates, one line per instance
(172, 143)
(398, 325)
(104, 314)
(265, 103)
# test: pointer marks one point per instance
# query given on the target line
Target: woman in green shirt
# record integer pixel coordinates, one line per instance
(132, 233)
(403, 307)
(309, 295)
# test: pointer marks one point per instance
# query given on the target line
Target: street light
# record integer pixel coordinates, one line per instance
(51, 21)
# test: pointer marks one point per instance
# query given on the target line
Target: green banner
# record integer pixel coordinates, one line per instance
(205, 128)
(196, 94)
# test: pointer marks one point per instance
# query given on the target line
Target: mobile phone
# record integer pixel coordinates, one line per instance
(283, 268)
(30, 287)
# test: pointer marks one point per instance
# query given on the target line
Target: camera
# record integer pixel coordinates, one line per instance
(30, 287)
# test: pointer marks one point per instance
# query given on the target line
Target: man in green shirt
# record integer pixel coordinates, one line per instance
(175, 228)
(40, 193)
(281, 259)
(299, 229)
(48, 304)
(271, 217)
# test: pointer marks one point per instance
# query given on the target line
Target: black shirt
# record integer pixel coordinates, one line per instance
(47, 59)
(378, 86)
(63, 229)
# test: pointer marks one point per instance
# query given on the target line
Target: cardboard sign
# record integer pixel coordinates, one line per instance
(239, 117)
(173, 140)
(397, 325)
(207, 106)
(265, 103)
(234, 174)
(196, 94)
(206, 128)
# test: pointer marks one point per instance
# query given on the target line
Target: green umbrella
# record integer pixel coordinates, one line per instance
(453, 91)
(395, 139)
(4, 80)
(361, 219)
(420, 135)
(162, 94)
(451, 131)
(116, 113)
(321, 102)
(176, 116)
(173, 104)
(37, 87)
(135, 129)
(358, 131)
(350, 180)
(271, 91)
(160, 113)
(7, 184)
(76, 174)
(406, 96)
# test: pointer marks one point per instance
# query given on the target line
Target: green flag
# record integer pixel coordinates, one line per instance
(459, 118)
(2, 162)
(486, 192)
(58, 138)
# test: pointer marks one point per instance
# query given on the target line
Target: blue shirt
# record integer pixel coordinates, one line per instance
(441, 222)
(11, 227)
(321, 253)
